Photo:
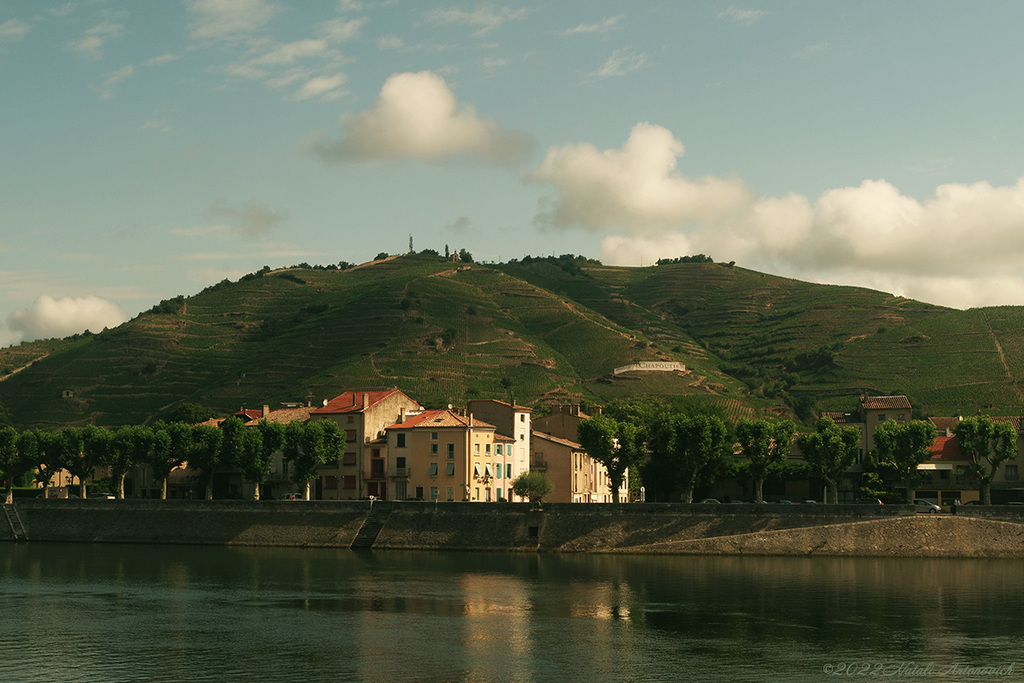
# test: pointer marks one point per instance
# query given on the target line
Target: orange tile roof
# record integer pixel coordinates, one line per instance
(352, 401)
(944, 423)
(432, 419)
(945, 448)
(554, 439)
(885, 403)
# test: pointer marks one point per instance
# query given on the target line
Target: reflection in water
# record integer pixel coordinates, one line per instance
(161, 613)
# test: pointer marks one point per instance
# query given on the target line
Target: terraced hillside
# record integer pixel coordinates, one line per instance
(440, 332)
(543, 331)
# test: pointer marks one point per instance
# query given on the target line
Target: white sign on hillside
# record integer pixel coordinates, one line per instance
(651, 366)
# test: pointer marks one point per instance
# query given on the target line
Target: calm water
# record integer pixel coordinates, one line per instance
(163, 613)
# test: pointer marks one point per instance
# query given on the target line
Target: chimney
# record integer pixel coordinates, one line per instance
(471, 419)
(266, 410)
(401, 415)
(366, 400)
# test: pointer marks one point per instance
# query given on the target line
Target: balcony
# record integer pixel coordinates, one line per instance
(400, 472)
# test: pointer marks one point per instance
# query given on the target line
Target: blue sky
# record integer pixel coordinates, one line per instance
(149, 149)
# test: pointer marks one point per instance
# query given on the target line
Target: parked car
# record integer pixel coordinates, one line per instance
(102, 496)
(925, 506)
(710, 501)
(292, 496)
(869, 501)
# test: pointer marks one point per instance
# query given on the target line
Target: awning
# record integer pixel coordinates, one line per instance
(936, 466)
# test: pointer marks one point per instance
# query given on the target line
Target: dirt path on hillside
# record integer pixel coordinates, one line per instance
(1002, 359)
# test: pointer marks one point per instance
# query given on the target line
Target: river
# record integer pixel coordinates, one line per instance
(80, 612)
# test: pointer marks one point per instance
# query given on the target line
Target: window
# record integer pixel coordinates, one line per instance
(522, 417)
(433, 493)
(349, 481)
(350, 435)
(487, 449)
(348, 459)
(498, 470)
(400, 440)
(433, 469)
(451, 451)
(449, 469)
(433, 436)
(377, 468)
(881, 417)
(419, 493)
(451, 493)
(351, 419)
(487, 470)
(476, 449)
(433, 449)
(1011, 471)
(487, 494)
(476, 493)
(400, 462)
(497, 449)
(401, 490)
(498, 492)
(508, 471)
(330, 482)
(476, 470)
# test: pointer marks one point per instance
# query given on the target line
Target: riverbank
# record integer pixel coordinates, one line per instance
(826, 530)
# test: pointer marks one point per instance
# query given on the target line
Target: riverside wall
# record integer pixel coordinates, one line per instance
(826, 530)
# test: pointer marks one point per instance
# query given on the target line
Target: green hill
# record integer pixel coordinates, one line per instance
(541, 330)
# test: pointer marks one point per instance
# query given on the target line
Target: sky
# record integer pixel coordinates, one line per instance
(151, 149)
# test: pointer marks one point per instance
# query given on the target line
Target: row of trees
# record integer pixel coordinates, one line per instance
(164, 446)
(675, 453)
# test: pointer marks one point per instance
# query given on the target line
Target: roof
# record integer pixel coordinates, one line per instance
(513, 406)
(944, 424)
(352, 401)
(554, 439)
(287, 415)
(885, 403)
(432, 419)
(945, 448)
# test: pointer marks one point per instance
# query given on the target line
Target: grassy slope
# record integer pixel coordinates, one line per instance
(443, 334)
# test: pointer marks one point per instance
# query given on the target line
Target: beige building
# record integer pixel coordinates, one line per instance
(575, 476)
(514, 423)
(362, 416)
(442, 455)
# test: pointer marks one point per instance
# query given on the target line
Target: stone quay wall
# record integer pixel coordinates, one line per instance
(652, 528)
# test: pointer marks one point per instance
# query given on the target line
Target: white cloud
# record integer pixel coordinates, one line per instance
(603, 27)
(49, 317)
(962, 247)
(323, 87)
(251, 220)
(390, 42)
(114, 78)
(416, 116)
(636, 188)
(13, 28)
(743, 16)
(485, 19)
(622, 62)
(340, 30)
(229, 18)
(95, 39)
(162, 59)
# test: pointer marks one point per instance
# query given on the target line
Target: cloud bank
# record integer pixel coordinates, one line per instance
(53, 318)
(417, 117)
(962, 247)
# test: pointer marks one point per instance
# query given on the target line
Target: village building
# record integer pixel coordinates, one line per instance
(362, 416)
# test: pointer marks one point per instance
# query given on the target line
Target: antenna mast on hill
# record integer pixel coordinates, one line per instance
(411, 250)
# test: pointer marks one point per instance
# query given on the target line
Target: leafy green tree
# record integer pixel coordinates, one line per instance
(11, 465)
(766, 445)
(987, 444)
(619, 446)
(204, 453)
(30, 452)
(532, 485)
(690, 450)
(171, 444)
(271, 440)
(68, 446)
(97, 444)
(190, 413)
(902, 446)
(830, 450)
(308, 446)
(132, 444)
